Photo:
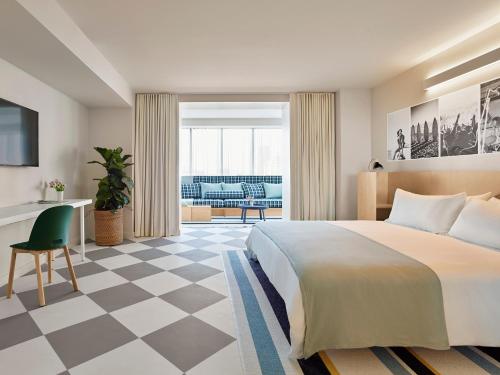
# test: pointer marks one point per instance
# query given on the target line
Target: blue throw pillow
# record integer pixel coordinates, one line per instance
(254, 190)
(232, 187)
(190, 191)
(225, 194)
(273, 190)
(209, 187)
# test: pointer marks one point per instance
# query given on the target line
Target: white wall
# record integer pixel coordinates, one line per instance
(108, 127)
(407, 89)
(353, 146)
(63, 140)
(67, 33)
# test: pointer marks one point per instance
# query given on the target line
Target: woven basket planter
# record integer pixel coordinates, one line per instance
(108, 227)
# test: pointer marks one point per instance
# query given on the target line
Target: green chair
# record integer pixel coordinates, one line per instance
(50, 232)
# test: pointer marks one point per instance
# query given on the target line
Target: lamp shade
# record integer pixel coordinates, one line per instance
(375, 165)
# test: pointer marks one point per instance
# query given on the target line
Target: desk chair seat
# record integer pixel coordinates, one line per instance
(50, 232)
(33, 246)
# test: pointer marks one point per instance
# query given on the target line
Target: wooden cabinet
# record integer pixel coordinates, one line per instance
(196, 213)
(373, 196)
(201, 213)
(186, 213)
(205, 213)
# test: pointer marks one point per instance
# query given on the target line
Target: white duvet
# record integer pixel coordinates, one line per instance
(469, 275)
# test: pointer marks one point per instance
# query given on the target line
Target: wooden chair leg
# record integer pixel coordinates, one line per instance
(41, 294)
(49, 266)
(11, 272)
(70, 268)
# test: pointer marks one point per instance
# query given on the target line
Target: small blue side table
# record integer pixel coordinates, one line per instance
(246, 207)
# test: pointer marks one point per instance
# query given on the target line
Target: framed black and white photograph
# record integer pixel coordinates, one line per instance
(489, 124)
(424, 130)
(398, 135)
(459, 122)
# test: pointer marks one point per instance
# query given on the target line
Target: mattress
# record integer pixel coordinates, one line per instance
(469, 277)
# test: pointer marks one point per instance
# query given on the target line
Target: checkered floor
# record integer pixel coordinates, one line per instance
(150, 306)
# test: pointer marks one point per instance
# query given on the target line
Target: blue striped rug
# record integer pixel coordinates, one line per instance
(263, 337)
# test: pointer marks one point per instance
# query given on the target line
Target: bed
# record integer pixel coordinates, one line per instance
(396, 286)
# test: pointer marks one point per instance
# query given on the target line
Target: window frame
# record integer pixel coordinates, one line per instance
(221, 142)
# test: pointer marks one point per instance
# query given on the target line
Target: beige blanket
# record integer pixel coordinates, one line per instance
(357, 292)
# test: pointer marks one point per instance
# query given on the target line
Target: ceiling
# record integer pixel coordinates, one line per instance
(222, 46)
(28, 44)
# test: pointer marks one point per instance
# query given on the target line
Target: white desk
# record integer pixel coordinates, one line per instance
(14, 214)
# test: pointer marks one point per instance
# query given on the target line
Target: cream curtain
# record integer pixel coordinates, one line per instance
(312, 156)
(156, 171)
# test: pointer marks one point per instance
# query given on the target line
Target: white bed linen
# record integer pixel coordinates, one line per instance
(469, 275)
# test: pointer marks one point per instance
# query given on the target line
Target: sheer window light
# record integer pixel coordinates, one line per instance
(185, 152)
(206, 151)
(231, 151)
(237, 151)
(268, 151)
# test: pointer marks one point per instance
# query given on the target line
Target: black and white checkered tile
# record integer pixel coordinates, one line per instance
(150, 306)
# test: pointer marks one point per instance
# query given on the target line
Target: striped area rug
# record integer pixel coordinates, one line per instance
(263, 336)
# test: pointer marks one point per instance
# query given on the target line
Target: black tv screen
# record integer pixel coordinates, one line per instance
(18, 135)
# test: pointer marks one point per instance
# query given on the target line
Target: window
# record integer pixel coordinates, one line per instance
(237, 151)
(205, 151)
(231, 151)
(268, 151)
(185, 152)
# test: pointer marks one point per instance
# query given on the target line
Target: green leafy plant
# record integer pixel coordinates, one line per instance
(113, 188)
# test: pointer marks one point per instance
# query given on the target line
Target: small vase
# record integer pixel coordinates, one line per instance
(60, 196)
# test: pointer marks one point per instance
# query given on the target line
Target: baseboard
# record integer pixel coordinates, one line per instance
(128, 235)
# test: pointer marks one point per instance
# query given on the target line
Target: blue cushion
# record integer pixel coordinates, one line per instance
(233, 203)
(254, 190)
(234, 179)
(271, 203)
(190, 191)
(273, 190)
(209, 187)
(225, 194)
(232, 187)
(216, 203)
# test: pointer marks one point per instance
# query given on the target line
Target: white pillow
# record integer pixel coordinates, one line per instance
(479, 223)
(432, 213)
(483, 197)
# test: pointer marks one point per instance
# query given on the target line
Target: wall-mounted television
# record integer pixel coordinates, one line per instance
(18, 135)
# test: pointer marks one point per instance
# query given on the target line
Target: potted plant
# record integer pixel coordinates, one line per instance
(58, 186)
(111, 196)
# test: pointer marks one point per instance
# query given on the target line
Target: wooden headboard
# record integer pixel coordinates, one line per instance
(376, 189)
